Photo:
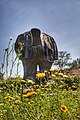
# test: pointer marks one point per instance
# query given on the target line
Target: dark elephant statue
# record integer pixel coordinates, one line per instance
(35, 48)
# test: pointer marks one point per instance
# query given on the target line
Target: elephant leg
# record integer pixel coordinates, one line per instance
(30, 69)
(44, 65)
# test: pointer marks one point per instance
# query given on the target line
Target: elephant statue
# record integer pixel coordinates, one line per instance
(35, 48)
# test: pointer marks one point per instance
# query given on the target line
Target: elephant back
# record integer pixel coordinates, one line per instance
(35, 43)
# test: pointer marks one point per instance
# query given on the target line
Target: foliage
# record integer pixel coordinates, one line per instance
(75, 63)
(63, 59)
(9, 61)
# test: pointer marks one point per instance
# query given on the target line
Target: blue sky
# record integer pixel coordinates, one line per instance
(58, 18)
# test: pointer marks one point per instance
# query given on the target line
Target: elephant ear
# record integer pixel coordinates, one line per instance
(50, 47)
(55, 49)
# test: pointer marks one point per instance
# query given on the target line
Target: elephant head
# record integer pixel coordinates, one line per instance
(35, 48)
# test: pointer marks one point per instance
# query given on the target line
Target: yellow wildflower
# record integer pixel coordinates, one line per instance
(17, 102)
(22, 81)
(53, 75)
(11, 97)
(25, 96)
(65, 76)
(51, 70)
(64, 108)
(1, 104)
(74, 87)
(77, 99)
(12, 106)
(20, 44)
(29, 94)
(30, 81)
(40, 75)
(60, 74)
(11, 38)
(8, 97)
(5, 111)
(42, 88)
(45, 71)
(56, 73)
(31, 103)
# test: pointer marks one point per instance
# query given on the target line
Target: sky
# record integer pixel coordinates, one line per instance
(58, 18)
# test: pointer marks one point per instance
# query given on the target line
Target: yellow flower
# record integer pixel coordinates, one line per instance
(25, 96)
(77, 99)
(22, 81)
(56, 73)
(31, 103)
(1, 104)
(12, 106)
(73, 86)
(29, 94)
(30, 81)
(51, 70)
(45, 71)
(64, 108)
(60, 74)
(40, 75)
(53, 75)
(65, 76)
(11, 98)
(5, 111)
(11, 38)
(20, 44)
(42, 88)
(8, 97)
(17, 102)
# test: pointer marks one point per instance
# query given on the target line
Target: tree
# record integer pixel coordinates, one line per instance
(63, 59)
(75, 63)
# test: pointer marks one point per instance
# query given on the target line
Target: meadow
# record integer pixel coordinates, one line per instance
(55, 95)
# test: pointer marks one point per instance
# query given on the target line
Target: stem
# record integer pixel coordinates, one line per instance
(3, 63)
(7, 63)
(13, 60)
(13, 63)
(18, 67)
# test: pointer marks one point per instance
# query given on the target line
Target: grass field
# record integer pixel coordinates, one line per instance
(56, 97)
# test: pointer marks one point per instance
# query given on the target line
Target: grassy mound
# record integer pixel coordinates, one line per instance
(56, 97)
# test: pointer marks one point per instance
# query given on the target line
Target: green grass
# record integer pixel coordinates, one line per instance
(45, 103)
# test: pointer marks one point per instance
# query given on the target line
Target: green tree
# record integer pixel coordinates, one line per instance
(63, 59)
(75, 63)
